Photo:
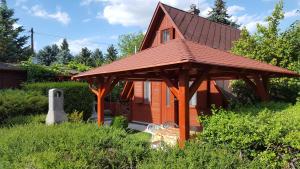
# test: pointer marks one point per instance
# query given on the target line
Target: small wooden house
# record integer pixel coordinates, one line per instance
(11, 76)
(178, 73)
(152, 102)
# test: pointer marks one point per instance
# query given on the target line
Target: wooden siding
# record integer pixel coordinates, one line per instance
(158, 112)
(12, 79)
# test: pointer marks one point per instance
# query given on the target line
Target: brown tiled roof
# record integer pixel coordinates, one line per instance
(201, 30)
(183, 51)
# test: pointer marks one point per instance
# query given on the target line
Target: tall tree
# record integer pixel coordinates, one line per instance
(48, 55)
(112, 54)
(271, 46)
(98, 58)
(12, 45)
(128, 43)
(64, 55)
(219, 14)
(84, 57)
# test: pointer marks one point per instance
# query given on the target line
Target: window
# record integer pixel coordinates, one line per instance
(193, 101)
(168, 96)
(165, 36)
(147, 92)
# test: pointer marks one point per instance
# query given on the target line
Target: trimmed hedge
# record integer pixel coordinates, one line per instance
(69, 145)
(77, 96)
(17, 102)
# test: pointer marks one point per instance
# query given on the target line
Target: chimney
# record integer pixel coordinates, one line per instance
(193, 10)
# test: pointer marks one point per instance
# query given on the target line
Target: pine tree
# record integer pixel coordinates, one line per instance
(98, 58)
(12, 46)
(48, 55)
(64, 55)
(219, 14)
(84, 57)
(112, 54)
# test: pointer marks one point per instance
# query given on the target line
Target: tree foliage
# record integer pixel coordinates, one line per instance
(128, 43)
(48, 55)
(112, 54)
(219, 14)
(12, 45)
(64, 56)
(270, 45)
(98, 58)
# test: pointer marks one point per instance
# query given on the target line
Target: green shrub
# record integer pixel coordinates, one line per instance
(17, 102)
(119, 122)
(76, 116)
(77, 95)
(194, 156)
(69, 145)
(22, 120)
(262, 134)
(38, 73)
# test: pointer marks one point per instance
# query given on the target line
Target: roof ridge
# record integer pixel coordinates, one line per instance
(199, 16)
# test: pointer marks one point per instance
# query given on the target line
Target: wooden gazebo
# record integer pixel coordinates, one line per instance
(176, 63)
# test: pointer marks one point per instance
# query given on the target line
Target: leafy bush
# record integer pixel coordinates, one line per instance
(267, 137)
(119, 122)
(243, 92)
(77, 95)
(76, 116)
(18, 102)
(194, 155)
(38, 73)
(22, 120)
(69, 145)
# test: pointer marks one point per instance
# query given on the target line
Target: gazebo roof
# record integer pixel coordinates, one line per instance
(179, 51)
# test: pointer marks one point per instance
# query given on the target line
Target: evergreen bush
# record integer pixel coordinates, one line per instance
(77, 95)
(17, 102)
(119, 122)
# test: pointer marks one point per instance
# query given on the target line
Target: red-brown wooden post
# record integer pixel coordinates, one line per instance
(208, 106)
(184, 120)
(100, 106)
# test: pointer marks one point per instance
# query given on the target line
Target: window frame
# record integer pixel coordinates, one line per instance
(193, 103)
(147, 97)
(163, 35)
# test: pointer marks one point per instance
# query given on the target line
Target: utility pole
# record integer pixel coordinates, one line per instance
(32, 41)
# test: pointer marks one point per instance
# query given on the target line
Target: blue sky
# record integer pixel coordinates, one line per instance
(98, 23)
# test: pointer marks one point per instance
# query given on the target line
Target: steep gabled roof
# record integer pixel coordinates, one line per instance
(201, 30)
(194, 28)
(180, 51)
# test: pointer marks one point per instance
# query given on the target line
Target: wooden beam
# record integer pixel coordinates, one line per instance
(196, 85)
(171, 85)
(208, 94)
(261, 89)
(259, 86)
(184, 119)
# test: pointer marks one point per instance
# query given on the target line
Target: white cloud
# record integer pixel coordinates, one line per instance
(77, 44)
(139, 12)
(235, 9)
(292, 13)
(20, 2)
(88, 2)
(39, 11)
(249, 21)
